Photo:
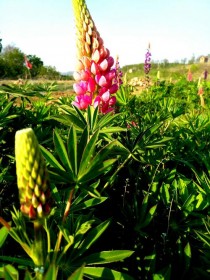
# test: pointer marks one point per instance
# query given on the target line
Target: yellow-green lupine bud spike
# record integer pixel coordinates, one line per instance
(85, 28)
(32, 175)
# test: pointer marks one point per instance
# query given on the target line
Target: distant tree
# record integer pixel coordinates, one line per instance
(49, 72)
(192, 60)
(37, 65)
(184, 60)
(12, 62)
(165, 62)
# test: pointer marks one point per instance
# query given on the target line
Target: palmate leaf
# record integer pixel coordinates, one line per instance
(68, 120)
(51, 159)
(105, 274)
(74, 116)
(91, 238)
(96, 164)
(101, 168)
(107, 119)
(88, 153)
(59, 176)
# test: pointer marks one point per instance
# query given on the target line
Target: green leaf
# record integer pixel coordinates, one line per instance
(59, 176)
(68, 120)
(92, 236)
(107, 119)
(51, 159)
(61, 151)
(72, 149)
(3, 235)
(88, 203)
(165, 193)
(96, 164)
(114, 129)
(78, 274)
(10, 273)
(107, 257)
(19, 261)
(28, 276)
(164, 274)
(97, 171)
(187, 254)
(88, 153)
(92, 115)
(51, 273)
(148, 218)
(205, 238)
(105, 274)
(82, 144)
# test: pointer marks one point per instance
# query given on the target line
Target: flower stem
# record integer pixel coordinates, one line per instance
(39, 249)
(65, 215)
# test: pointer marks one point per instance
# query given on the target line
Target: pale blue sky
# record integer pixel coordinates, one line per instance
(176, 29)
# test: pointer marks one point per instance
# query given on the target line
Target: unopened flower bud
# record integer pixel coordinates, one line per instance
(32, 175)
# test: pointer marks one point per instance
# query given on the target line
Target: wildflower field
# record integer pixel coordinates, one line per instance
(111, 182)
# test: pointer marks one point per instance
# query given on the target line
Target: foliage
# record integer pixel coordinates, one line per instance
(12, 65)
(11, 61)
(138, 182)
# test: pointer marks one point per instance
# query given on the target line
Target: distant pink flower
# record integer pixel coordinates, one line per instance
(200, 90)
(189, 76)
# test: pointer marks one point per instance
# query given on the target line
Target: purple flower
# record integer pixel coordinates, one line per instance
(147, 62)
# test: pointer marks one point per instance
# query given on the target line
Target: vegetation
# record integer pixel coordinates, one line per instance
(143, 182)
(12, 66)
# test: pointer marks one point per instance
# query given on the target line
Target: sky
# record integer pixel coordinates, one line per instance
(175, 29)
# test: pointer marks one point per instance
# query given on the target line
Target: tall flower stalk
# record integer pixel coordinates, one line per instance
(147, 62)
(95, 75)
(147, 65)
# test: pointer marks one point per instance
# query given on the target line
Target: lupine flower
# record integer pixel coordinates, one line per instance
(32, 175)
(118, 79)
(147, 62)
(96, 78)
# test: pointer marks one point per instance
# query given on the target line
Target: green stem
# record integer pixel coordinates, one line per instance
(39, 253)
(65, 215)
